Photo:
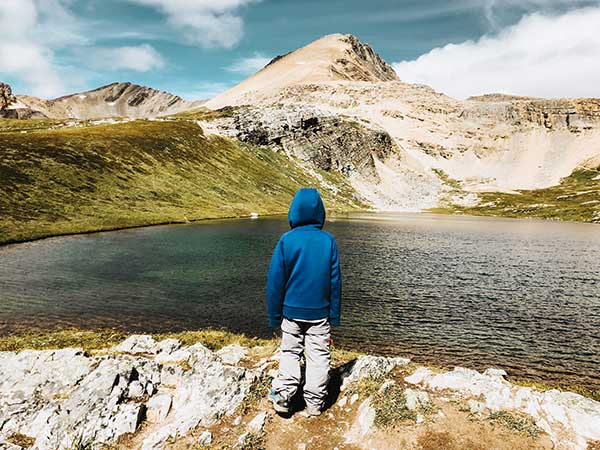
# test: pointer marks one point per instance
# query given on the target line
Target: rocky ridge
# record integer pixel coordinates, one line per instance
(112, 100)
(153, 395)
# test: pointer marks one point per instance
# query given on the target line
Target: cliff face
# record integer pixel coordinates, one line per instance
(575, 115)
(150, 395)
(321, 140)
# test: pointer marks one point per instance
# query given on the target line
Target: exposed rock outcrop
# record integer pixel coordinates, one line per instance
(6, 96)
(64, 399)
(325, 141)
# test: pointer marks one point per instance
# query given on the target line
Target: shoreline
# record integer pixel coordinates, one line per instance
(431, 211)
(215, 338)
(176, 390)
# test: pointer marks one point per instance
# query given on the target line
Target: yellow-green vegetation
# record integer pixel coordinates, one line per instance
(258, 391)
(518, 423)
(46, 340)
(70, 179)
(576, 197)
(21, 440)
(391, 408)
(213, 339)
(578, 389)
(98, 339)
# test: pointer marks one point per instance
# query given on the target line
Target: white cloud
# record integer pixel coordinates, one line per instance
(209, 23)
(20, 54)
(140, 58)
(249, 65)
(35, 31)
(542, 55)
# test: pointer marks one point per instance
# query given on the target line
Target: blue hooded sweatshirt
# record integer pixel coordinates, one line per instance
(304, 280)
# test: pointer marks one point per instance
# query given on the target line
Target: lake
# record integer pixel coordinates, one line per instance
(446, 290)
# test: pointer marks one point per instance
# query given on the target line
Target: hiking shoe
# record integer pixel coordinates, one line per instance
(311, 411)
(280, 403)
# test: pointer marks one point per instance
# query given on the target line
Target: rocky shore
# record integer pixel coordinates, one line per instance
(148, 394)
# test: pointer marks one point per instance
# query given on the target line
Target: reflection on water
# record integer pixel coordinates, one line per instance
(523, 295)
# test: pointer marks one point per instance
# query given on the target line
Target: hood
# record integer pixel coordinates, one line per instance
(307, 209)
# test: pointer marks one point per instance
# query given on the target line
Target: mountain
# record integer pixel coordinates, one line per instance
(439, 151)
(335, 57)
(112, 100)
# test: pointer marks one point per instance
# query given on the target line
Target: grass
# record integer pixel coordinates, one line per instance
(594, 394)
(575, 198)
(98, 339)
(520, 424)
(65, 180)
(391, 408)
(258, 391)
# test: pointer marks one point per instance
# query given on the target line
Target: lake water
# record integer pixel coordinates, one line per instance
(447, 290)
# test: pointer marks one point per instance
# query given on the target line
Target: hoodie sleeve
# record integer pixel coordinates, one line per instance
(335, 300)
(276, 280)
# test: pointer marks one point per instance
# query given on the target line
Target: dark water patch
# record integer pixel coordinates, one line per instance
(477, 292)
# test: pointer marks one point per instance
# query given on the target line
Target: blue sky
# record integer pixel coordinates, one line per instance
(197, 48)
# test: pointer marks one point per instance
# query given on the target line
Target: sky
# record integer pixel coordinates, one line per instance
(199, 48)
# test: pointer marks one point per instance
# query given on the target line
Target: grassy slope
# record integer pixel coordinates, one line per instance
(577, 198)
(58, 180)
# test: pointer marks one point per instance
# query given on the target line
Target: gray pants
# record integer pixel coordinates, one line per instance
(311, 338)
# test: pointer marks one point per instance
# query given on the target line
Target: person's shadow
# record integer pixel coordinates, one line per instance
(336, 378)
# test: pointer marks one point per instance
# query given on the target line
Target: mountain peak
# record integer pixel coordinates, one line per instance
(335, 57)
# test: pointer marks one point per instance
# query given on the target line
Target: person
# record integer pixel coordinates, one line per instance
(304, 297)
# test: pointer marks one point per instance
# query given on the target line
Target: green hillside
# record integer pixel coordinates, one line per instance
(57, 179)
(576, 198)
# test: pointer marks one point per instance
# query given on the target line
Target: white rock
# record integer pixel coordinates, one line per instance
(385, 385)
(136, 390)
(418, 375)
(362, 424)
(258, 423)
(137, 343)
(9, 446)
(343, 401)
(237, 420)
(209, 390)
(492, 372)
(366, 417)
(168, 346)
(370, 366)
(353, 399)
(158, 408)
(415, 398)
(569, 419)
(205, 438)
(475, 407)
(420, 418)
(232, 354)
(176, 356)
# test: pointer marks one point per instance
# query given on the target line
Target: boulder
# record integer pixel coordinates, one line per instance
(257, 424)
(569, 419)
(136, 344)
(232, 354)
(367, 366)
